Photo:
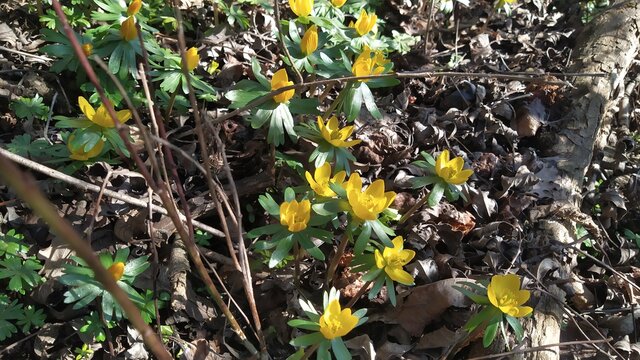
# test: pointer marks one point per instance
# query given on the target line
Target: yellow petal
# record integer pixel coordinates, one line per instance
(123, 116)
(339, 177)
(116, 270)
(523, 311)
(405, 256)
(398, 275)
(492, 295)
(390, 196)
(398, 243)
(461, 177)
(86, 108)
(376, 189)
(333, 308)
(310, 180)
(323, 173)
(442, 161)
(279, 77)
(522, 296)
(456, 164)
(380, 263)
(102, 117)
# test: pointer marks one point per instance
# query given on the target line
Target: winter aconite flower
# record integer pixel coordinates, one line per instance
(505, 294)
(295, 215)
(367, 204)
(309, 42)
(321, 179)
(336, 322)
(116, 270)
(128, 29)
(365, 22)
(451, 170)
(80, 154)
(192, 58)
(134, 7)
(87, 49)
(101, 117)
(338, 3)
(366, 64)
(334, 135)
(279, 80)
(301, 8)
(392, 259)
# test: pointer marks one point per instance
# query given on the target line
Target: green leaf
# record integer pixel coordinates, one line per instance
(436, 194)
(271, 207)
(353, 103)
(135, 267)
(490, 334)
(391, 291)
(363, 239)
(382, 232)
(420, 181)
(306, 340)
(257, 72)
(31, 317)
(516, 326)
(304, 106)
(478, 299)
(264, 230)
(281, 251)
(311, 248)
(377, 286)
(340, 349)
(281, 122)
(23, 274)
(370, 101)
(304, 324)
(7, 329)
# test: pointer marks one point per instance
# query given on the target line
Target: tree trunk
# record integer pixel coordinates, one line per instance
(608, 45)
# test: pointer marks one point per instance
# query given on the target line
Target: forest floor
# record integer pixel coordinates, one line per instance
(489, 110)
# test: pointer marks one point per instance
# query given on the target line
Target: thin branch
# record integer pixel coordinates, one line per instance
(544, 347)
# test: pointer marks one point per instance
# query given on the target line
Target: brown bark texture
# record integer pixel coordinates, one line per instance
(607, 45)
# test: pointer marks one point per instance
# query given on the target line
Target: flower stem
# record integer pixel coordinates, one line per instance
(413, 209)
(333, 265)
(310, 351)
(172, 101)
(361, 292)
(334, 105)
(296, 269)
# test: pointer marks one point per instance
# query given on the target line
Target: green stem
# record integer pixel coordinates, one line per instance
(333, 265)
(296, 269)
(413, 209)
(172, 101)
(338, 101)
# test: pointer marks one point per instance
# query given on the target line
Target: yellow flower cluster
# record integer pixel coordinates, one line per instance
(336, 322)
(369, 64)
(451, 170)
(301, 8)
(504, 293)
(309, 42)
(101, 116)
(335, 136)
(78, 153)
(295, 215)
(321, 179)
(365, 23)
(279, 80)
(369, 203)
(116, 270)
(392, 259)
(192, 58)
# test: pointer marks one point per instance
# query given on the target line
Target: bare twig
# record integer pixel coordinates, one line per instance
(539, 348)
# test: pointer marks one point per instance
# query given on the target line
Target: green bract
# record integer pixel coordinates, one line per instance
(282, 239)
(331, 320)
(84, 288)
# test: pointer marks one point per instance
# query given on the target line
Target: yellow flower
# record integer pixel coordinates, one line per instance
(367, 204)
(128, 29)
(338, 3)
(365, 22)
(321, 179)
(334, 135)
(505, 294)
(336, 322)
(366, 64)
(309, 42)
(134, 7)
(301, 7)
(279, 80)
(116, 270)
(80, 154)
(393, 259)
(295, 215)
(101, 116)
(87, 49)
(192, 58)
(451, 170)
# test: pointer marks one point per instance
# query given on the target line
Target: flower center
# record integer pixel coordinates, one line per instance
(508, 299)
(334, 324)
